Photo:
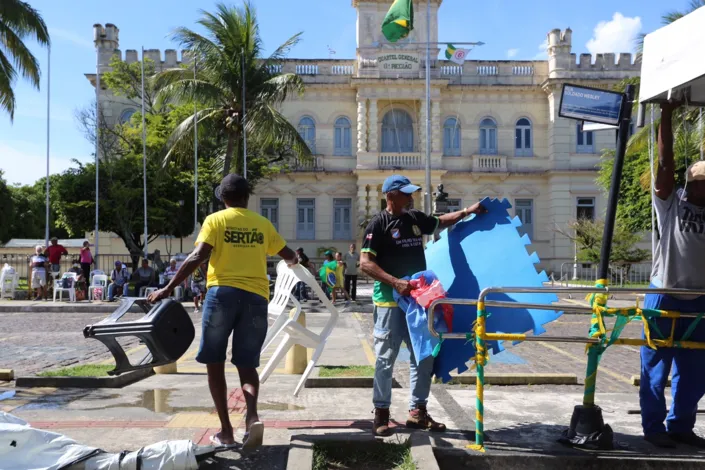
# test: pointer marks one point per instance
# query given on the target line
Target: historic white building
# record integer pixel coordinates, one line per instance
(495, 132)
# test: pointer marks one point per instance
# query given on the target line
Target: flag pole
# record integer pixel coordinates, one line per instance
(427, 193)
(244, 117)
(144, 164)
(46, 227)
(97, 147)
(195, 150)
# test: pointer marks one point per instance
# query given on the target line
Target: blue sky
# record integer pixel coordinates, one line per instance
(510, 28)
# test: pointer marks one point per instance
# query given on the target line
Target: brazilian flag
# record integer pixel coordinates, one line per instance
(399, 21)
(328, 273)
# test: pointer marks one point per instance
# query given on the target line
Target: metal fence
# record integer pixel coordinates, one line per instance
(585, 274)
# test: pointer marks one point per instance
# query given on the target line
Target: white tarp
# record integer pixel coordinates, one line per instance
(25, 448)
(673, 56)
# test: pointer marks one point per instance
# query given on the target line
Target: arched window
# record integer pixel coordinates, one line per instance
(488, 136)
(523, 146)
(307, 131)
(342, 137)
(126, 115)
(585, 142)
(451, 137)
(397, 132)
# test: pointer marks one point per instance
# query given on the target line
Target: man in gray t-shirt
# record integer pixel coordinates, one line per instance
(679, 263)
(352, 262)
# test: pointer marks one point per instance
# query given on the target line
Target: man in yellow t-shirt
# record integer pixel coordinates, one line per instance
(237, 241)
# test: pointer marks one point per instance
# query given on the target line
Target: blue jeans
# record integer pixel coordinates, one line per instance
(390, 330)
(111, 291)
(688, 379)
(300, 291)
(231, 310)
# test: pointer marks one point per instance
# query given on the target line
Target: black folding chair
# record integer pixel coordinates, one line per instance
(166, 330)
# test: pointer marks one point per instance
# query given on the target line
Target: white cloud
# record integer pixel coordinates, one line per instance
(25, 162)
(73, 38)
(543, 51)
(616, 35)
(512, 53)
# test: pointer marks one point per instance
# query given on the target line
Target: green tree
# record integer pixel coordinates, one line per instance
(587, 234)
(232, 42)
(7, 210)
(18, 22)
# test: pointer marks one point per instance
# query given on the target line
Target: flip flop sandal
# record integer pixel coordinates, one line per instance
(254, 437)
(215, 440)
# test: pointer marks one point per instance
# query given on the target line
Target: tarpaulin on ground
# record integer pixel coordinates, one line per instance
(480, 252)
(25, 448)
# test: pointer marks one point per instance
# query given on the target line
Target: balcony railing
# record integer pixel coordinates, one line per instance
(489, 164)
(407, 161)
(310, 164)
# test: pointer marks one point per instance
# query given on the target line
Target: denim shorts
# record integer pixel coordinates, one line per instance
(231, 310)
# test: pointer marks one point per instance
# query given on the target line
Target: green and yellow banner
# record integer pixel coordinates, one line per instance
(399, 21)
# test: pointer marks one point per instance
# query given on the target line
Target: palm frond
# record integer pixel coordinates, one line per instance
(24, 20)
(24, 60)
(7, 76)
(269, 127)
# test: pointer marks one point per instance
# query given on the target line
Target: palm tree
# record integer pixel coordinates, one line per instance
(18, 21)
(232, 43)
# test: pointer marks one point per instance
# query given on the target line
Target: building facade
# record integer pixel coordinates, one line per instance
(495, 132)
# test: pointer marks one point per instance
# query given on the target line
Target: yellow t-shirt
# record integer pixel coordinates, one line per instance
(241, 240)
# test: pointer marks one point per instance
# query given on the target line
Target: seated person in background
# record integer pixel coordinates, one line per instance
(38, 265)
(169, 273)
(81, 285)
(145, 276)
(118, 277)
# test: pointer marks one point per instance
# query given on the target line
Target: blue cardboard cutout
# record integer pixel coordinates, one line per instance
(480, 252)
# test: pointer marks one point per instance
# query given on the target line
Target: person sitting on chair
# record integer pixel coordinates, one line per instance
(119, 278)
(145, 277)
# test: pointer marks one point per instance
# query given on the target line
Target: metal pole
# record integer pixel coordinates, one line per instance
(244, 118)
(46, 227)
(610, 217)
(97, 159)
(427, 188)
(195, 152)
(144, 165)
(654, 240)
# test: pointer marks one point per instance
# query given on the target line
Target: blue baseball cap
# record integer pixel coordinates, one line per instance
(399, 183)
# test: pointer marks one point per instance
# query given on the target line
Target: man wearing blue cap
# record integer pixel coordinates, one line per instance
(393, 249)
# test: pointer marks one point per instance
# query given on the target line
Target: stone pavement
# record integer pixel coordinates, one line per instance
(519, 419)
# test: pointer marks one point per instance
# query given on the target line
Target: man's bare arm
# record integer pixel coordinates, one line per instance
(193, 261)
(369, 266)
(289, 255)
(666, 168)
(448, 220)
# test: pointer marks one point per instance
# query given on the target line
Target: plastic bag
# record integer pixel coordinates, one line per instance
(426, 293)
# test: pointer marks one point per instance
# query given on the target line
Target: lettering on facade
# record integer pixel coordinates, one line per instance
(400, 62)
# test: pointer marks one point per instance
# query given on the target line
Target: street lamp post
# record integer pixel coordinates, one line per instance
(181, 236)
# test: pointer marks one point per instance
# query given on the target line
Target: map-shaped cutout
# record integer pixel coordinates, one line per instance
(479, 252)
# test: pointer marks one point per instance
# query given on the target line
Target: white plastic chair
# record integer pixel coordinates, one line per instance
(9, 281)
(297, 334)
(99, 281)
(71, 290)
(277, 309)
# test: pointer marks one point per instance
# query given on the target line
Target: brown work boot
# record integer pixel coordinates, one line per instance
(420, 419)
(380, 427)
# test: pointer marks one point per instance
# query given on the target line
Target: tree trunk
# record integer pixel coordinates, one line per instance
(229, 154)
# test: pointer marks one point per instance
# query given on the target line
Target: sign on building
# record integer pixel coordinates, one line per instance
(398, 62)
(591, 104)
